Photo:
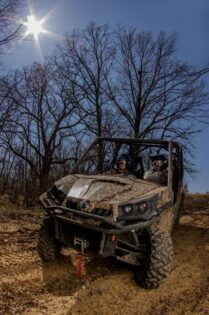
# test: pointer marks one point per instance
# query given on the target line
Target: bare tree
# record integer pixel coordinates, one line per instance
(156, 94)
(10, 11)
(85, 60)
(10, 30)
(43, 119)
(7, 160)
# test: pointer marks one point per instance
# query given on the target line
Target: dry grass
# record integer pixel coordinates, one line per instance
(8, 208)
(196, 202)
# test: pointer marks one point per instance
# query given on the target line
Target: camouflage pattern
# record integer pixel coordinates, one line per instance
(108, 192)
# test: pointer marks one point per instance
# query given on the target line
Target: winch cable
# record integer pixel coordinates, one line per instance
(82, 260)
(79, 265)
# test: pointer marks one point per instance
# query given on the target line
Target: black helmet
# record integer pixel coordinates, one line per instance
(158, 157)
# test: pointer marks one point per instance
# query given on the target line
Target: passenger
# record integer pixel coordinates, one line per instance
(158, 173)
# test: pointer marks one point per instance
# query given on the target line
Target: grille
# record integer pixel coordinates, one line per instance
(96, 211)
(101, 212)
(72, 205)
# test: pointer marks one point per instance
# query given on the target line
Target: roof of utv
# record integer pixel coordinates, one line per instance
(153, 142)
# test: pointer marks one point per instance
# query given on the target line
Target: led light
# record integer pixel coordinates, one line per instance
(127, 209)
(142, 206)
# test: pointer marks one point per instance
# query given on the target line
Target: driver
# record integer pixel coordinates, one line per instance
(158, 172)
(122, 166)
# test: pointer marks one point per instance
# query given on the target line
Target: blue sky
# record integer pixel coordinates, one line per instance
(188, 18)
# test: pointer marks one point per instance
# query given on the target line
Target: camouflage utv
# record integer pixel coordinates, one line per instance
(125, 217)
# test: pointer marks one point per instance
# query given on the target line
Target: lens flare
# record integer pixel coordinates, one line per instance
(34, 26)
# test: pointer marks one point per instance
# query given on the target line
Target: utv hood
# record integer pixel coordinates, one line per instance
(104, 188)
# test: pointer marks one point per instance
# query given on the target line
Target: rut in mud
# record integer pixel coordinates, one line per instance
(29, 286)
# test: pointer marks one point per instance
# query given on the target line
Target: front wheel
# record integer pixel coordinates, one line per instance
(48, 247)
(157, 258)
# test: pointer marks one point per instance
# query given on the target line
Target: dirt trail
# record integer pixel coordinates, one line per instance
(30, 287)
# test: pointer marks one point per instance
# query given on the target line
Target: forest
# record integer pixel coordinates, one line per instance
(97, 82)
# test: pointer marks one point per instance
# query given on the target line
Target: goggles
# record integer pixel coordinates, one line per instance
(122, 163)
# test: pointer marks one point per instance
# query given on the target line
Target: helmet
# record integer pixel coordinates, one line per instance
(159, 157)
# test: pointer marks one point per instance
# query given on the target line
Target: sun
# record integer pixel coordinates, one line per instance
(34, 26)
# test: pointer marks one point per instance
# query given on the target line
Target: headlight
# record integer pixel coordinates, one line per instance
(139, 209)
(127, 209)
(142, 206)
(57, 195)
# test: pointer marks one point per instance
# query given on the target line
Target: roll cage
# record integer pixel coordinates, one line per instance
(138, 151)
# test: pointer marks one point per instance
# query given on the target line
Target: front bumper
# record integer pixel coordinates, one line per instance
(97, 234)
(98, 223)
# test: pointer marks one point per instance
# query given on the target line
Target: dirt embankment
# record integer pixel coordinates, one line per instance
(30, 287)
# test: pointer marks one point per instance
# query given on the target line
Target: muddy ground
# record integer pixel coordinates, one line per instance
(29, 286)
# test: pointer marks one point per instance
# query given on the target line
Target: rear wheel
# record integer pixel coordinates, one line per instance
(48, 247)
(157, 260)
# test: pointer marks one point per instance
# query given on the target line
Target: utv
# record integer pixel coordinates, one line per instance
(126, 217)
